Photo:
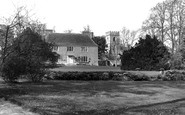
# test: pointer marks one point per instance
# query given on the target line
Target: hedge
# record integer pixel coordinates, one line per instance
(119, 76)
(174, 76)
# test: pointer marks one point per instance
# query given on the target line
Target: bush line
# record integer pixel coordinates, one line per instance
(119, 76)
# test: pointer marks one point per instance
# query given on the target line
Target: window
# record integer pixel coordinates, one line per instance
(70, 48)
(83, 59)
(114, 39)
(55, 48)
(84, 49)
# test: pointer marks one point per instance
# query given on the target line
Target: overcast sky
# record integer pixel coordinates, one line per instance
(100, 15)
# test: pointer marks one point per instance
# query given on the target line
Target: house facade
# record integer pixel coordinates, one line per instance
(74, 48)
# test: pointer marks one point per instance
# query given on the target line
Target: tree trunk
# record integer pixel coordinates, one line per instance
(5, 45)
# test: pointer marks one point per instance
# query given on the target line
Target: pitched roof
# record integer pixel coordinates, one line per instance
(70, 39)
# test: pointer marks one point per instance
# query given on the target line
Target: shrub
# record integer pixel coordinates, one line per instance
(36, 77)
(12, 68)
(111, 75)
(138, 77)
(79, 75)
(174, 76)
(118, 76)
(104, 76)
(176, 61)
(121, 76)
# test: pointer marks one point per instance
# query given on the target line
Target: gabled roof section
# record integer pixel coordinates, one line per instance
(70, 39)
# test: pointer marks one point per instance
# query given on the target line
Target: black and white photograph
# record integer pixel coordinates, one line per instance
(92, 57)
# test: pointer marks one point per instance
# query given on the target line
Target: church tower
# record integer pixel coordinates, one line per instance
(113, 42)
(114, 46)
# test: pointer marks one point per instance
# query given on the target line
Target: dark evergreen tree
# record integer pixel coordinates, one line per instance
(101, 42)
(147, 54)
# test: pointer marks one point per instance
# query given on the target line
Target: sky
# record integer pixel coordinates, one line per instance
(100, 15)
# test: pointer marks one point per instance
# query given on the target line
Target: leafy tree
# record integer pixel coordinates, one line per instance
(27, 56)
(147, 54)
(101, 42)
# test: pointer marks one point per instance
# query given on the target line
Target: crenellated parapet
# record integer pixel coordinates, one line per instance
(112, 33)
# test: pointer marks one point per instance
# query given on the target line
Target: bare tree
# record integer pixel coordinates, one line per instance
(13, 26)
(167, 21)
(87, 28)
(68, 31)
(156, 22)
(170, 21)
(148, 26)
(175, 19)
(179, 21)
(128, 37)
(159, 13)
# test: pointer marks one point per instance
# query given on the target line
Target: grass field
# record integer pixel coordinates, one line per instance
(87, 68)
(98, 97)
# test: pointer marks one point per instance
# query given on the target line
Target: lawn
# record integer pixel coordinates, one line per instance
(98, 97)
(87, 68)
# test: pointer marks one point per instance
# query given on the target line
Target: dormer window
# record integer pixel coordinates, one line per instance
(70, 48)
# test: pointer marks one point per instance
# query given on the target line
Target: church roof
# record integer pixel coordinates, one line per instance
(70, 39)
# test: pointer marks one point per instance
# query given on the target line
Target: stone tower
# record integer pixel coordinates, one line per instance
(113, 42)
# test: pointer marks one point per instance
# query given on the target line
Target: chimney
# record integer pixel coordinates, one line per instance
(90, 34)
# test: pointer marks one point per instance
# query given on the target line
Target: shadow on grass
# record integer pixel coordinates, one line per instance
(22, 93)
(9, 90)
(134, 110)
(86, 87)
(143, 108)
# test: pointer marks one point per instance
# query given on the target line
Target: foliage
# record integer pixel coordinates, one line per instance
(101, 42)
(27, 56)
(173, 76)
(11, 31)
(148, 54)
(182, 48)
(176, 61)
(12, 68)
(117, 76)
(181, 53)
